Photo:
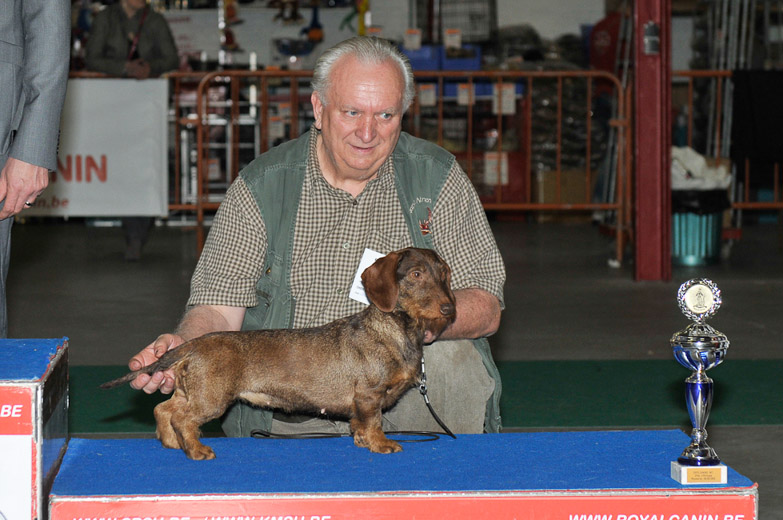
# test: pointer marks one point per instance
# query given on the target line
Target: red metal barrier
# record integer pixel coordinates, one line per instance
(500, 147)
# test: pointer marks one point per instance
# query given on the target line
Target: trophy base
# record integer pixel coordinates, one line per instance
(687, 474)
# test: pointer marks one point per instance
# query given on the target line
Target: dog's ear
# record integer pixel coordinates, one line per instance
(380, 282)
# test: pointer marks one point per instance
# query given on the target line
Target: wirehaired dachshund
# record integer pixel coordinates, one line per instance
(354, 367)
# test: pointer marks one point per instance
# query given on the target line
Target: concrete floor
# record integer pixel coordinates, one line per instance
(563, 302)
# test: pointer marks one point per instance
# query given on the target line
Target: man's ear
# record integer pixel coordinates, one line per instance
(318, 108)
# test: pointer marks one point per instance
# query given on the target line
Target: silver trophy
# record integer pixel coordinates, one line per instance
(699, 347)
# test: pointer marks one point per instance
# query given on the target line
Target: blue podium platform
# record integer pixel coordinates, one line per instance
(28, 360)
(615, 474)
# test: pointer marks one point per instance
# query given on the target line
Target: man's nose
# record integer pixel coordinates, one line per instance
(366, 130)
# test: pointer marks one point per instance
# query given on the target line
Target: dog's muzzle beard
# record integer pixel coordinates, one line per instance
(436, 326)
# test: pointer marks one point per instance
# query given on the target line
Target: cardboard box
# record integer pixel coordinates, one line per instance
(572, 187)
(33, 423)
(572, 191)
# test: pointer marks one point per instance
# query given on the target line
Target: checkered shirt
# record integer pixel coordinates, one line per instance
(332, 230)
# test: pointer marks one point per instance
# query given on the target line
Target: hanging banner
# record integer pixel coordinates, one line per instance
(113, 154)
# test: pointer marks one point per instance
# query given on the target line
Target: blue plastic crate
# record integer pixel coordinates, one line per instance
(481, 89)
(425, 58)
(696, 239)
(469, 63)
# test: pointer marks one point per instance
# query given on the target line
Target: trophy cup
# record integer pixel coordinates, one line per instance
(699, 347)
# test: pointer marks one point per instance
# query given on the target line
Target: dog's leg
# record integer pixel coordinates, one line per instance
(366, 428)
(188, 433)
(162, 412)
(189, 415)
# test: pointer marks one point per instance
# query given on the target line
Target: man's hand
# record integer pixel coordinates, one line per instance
(163, 381)
(198, 321)
(20, 182)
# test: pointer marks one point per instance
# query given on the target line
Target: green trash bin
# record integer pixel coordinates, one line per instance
(697, 223)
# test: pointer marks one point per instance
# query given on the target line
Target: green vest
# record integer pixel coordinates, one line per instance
(275, 179)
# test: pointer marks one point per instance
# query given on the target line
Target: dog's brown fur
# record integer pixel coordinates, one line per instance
(354, 367)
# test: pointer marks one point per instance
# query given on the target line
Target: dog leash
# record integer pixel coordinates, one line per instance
(423, 392)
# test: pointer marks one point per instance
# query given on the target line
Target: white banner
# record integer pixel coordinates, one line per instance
(113, 155)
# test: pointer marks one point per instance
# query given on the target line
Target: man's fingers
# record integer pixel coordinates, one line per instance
(168, 383)
(154, 383)
(20, 182)
(140, 381)
(142, 359)
(163, 345)
(154, 351)
(161, 380)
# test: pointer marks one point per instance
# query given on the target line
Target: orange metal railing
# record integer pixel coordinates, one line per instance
(505, 166)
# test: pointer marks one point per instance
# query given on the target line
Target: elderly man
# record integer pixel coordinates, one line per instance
(287, 241)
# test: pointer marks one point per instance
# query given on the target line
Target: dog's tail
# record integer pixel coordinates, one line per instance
(163, 363)
(130, 376)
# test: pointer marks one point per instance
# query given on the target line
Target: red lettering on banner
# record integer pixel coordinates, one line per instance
(15, 411)
(80, 168)
(8, 410)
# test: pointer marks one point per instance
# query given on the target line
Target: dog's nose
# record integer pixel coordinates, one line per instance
(447, 309)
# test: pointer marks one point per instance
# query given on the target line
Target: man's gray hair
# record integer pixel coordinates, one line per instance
(368, 50)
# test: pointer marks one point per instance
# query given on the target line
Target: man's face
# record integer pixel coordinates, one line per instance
(136, 4)
(361, 123)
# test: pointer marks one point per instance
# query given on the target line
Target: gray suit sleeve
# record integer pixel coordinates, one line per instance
(45, 70)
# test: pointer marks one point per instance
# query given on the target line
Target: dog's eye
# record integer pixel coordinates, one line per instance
(416, 274)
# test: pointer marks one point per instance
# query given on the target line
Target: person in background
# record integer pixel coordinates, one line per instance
(128, 39)
(34, 59)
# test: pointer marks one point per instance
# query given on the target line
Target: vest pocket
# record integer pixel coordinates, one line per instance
(274, 301)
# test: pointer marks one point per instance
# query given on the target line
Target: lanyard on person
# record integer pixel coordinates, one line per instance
(138, 34)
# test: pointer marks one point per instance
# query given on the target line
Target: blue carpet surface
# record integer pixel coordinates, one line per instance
(501, 462)
(27, 359)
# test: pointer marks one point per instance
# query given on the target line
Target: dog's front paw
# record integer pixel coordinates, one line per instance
(385, 446)
(200, 452)
(358, 439)
(376, 443)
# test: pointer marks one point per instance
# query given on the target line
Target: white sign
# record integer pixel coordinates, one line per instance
(357, 288)
(452, 38)
(504, 99)
(427, 95)
(495, 168)
(465, 94)
(412, 39)
(113, 154)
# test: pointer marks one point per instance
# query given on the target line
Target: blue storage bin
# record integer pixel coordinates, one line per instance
(425, 58)
(469, 63)
(481, 88)
(696, 238)
(697, 225)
